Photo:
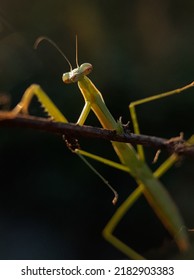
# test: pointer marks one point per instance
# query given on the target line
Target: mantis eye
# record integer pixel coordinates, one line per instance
(85, 68)
(66, 79)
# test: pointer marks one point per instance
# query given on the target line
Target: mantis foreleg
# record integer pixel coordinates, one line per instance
(46, 102)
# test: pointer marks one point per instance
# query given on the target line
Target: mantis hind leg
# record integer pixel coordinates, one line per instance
(125, 206)
(146, 100)
(128, 203)
(123, 209)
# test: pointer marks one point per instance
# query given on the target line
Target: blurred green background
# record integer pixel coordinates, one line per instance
(51, 205)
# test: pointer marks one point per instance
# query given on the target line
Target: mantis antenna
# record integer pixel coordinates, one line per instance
(40, 39)
(76, 51)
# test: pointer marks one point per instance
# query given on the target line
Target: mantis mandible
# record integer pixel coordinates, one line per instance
(131, 161)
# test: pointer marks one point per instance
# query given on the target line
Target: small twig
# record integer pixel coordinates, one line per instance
(174, 145)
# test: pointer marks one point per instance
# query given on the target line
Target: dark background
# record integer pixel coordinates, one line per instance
(51, 205)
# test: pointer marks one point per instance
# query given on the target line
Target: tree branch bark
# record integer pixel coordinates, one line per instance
(174, 145)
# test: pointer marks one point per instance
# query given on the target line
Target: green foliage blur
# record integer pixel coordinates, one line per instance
(51, 205)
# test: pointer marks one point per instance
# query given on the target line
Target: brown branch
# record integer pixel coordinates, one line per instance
(173, 145)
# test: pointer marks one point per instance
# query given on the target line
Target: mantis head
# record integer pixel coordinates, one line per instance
(76, 74)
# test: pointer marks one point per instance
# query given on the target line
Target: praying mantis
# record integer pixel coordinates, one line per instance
(132, 161)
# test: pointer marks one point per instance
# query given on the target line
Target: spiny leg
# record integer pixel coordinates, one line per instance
(23, 105)
(149, 99)
(123, 209)
(52, 110)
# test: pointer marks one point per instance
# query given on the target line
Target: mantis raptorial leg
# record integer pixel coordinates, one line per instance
(131, 161)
